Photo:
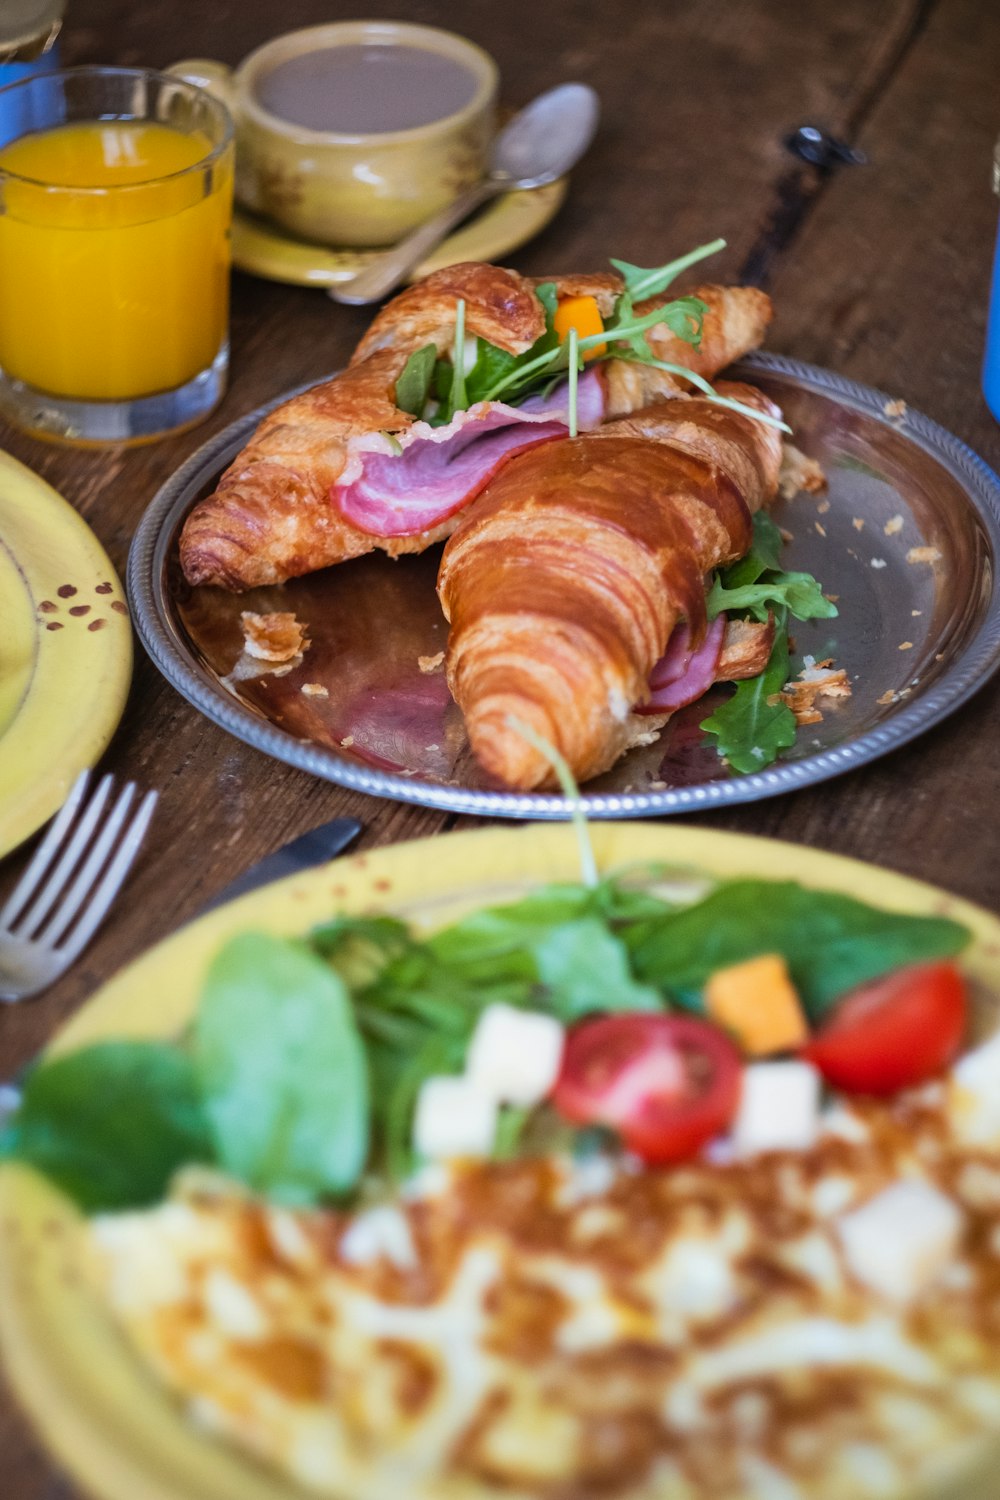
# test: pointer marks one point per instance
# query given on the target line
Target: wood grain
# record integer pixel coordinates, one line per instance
(880, 272)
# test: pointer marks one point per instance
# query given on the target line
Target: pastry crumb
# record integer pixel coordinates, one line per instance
(893, 526)
(786, 536)
(887, 697)
(906, 646)
(799, 473)
(858, 523)
(275, 637)
(816, 680)
(430, 663)
(895, 408)
(879, 562)
(923, 555)
(823, 507)
(657, 786)
(314, 690)
(347, 741)
(820, 528)
(916, 612)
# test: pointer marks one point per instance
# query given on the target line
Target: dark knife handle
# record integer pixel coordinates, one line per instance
(312, 848)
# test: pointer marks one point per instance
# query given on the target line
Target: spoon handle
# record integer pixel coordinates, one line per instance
(388, 270)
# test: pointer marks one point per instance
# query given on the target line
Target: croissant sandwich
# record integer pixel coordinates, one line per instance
(455, 376)
(564, 582)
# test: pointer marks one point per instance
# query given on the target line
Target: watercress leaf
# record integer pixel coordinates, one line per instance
(110, 1124)
(282, 1070)
(831, 943)
(414, 383)
(754, 724)
(799, 593)
(585, 968)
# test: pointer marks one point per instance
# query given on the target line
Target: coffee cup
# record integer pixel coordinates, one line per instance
(354, 132)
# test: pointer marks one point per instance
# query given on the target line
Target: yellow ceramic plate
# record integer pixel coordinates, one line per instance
(65, 650)
(265, 250)
(107, 1422)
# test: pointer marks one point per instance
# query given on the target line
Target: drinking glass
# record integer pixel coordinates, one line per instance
(115, 206)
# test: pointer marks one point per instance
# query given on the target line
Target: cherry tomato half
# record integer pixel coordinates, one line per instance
(894, 1033)
(667, 1084)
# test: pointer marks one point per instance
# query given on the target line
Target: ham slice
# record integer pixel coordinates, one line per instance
(441, 469)
(731, 651)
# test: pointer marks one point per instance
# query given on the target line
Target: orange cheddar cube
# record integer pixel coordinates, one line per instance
(758, 1003)
(583, 314)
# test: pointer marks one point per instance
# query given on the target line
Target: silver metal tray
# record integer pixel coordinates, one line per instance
(906, 536)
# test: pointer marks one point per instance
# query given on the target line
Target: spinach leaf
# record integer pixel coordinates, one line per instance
(359, 947)
(798, 593)
(282, 1070)
(754, 724)
(585, 968)
(414, 383)
(110, 1124)
(830, 942)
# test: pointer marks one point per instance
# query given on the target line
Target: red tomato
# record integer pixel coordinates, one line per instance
(667, 1084)
(894, 1033)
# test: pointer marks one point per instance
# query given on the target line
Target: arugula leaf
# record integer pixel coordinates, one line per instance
(764, 555)
(754, 724)
(414, 383)
(282, 1070)
(798, 593)
(640, 283)
(830, 942)
(110, 1124)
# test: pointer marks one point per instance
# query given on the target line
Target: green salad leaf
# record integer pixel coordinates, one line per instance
(798, 593)
(764, 555)
(752, 726)
(111, 1123)
(830, 942)
(282, 1070)
(413, 386)
(641, 282)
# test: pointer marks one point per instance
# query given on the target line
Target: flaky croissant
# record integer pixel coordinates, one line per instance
(277, 511)
(564, 580)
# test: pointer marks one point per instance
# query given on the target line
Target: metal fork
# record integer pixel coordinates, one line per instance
(64, 894)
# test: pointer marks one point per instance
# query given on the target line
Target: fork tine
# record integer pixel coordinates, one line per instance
(111, 880)
(68, 861)
(86, 877)
(25, 888)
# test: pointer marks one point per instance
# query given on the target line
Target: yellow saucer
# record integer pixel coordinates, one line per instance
(109, 1424)
(263, 249)
(65, 650)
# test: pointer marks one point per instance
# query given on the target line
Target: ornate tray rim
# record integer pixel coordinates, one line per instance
(168, 650)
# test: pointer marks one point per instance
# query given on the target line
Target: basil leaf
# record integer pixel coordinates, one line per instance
(585, 969)
(754, 724)
(110, 1124)
(282, 1070)
(764, 555)
(414, 383)
(798, 593)
(830, 942)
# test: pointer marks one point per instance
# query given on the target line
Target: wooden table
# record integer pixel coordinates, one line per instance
(880, 272)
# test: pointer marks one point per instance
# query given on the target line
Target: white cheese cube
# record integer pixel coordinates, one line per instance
(515, 1055)
(779, 1108)
(900, 1240)
(454, 1117)
(974, 1094)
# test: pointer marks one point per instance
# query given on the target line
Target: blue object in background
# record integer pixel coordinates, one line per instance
(11, 123)
(991, 362)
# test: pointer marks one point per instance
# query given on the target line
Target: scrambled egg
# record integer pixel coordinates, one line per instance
(550, 1330)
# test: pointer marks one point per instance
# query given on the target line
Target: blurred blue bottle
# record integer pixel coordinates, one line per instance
(28, 44)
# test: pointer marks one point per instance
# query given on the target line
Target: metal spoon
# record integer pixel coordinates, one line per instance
(541, 143)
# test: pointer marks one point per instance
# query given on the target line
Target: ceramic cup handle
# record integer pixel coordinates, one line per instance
(204, 73)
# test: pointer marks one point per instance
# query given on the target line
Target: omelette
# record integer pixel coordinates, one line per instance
(794, 1325)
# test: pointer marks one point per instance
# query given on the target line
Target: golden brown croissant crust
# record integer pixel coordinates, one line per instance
(272, 517)
(566, 577)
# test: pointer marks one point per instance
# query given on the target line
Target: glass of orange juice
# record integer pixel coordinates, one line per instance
(115, 208)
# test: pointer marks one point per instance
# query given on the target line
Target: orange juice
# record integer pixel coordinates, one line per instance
(114, 258)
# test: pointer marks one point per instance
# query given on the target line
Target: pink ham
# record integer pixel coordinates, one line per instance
(681, 675)
(441, 469)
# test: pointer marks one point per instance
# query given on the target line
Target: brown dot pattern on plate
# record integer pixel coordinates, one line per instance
(53, 625)
(119, 607)
(48, 606)
(103, 588)
(80, 609)
(383, 885)
(66, 590)
(97, 624)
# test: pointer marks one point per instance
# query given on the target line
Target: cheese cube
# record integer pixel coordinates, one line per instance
(779, 1108)
(454, 1117)
(515, 1055)
(759, 1004)
(898, 1241)
(974, 1094)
